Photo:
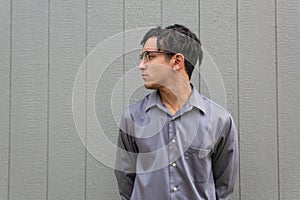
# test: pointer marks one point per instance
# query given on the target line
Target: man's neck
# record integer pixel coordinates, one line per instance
(175, 97)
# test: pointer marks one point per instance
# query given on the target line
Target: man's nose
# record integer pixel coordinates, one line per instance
(142, 65)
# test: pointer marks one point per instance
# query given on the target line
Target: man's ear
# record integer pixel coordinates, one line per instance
(178, 61)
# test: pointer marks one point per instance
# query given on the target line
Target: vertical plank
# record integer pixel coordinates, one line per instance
(138, 15)
(218, 35)
(288, 49)
(185, 13)
(67, 51)
(4, 95)
(104, 21)
(257, 95)
(29, 100)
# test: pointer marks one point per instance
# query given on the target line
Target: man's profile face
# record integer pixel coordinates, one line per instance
(156, 68)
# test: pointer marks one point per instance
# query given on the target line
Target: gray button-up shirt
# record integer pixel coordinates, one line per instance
(190, 155)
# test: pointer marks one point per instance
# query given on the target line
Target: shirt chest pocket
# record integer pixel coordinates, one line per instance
(198, 162)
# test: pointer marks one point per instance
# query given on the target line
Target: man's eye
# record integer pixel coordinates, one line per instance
(151, 57)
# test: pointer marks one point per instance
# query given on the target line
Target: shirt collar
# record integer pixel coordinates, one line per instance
(153, 99)
(195, 100)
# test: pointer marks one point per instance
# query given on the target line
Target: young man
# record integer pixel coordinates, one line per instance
(175, 143)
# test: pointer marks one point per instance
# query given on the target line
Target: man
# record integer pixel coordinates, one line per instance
(175, 143)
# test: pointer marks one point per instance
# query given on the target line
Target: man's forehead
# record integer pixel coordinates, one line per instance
(151, 44)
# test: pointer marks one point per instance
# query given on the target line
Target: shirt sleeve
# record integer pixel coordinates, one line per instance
(225, 161)
(125, 163)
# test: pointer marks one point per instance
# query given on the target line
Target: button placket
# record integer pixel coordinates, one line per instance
(172, 165)
(174, 188)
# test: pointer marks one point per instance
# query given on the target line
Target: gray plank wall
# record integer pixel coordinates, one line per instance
(254, 44)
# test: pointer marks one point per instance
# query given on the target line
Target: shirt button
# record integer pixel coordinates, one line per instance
(174, 189)
(174, 164)
(173, 140)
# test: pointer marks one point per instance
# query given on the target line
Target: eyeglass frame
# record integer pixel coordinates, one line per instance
(145, 55)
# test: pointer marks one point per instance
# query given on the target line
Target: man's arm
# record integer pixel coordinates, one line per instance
(225, 160)
(125, 164)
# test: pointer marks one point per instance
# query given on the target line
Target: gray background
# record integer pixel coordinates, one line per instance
(255, 45)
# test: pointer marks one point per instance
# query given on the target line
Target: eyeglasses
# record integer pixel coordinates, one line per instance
(146, 55)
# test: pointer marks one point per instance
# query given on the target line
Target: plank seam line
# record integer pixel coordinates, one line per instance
(161, 12)
(238, 91)
(123, 56)
(277, 106)
(199, 32)
(86, 91)
(10, 102)
(48, 107)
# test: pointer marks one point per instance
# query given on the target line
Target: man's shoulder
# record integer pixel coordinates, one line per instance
(140, 106)
(212, 108)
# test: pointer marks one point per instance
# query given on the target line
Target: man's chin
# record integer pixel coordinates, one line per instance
(151, 86)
